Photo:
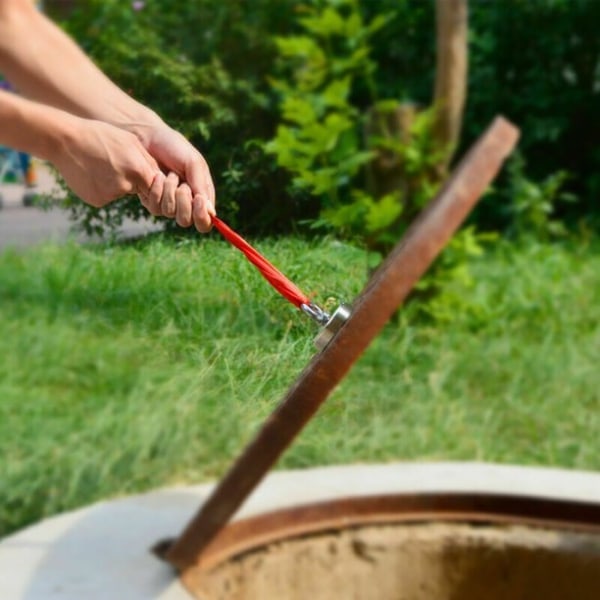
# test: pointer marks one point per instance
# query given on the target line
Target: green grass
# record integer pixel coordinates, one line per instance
(127, 368)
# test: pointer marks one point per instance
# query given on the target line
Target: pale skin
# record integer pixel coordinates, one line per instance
(103, 142)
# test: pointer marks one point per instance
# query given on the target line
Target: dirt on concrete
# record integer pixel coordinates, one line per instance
(413, 562)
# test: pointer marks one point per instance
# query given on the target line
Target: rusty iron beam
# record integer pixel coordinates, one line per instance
(386, 290)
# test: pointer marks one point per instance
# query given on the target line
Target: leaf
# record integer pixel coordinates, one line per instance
(326, 24)
(383, 213)
(335, 95)
(298, 110)
(379, 22)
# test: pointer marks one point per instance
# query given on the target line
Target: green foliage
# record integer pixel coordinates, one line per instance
(548, 84)
(416, 152)
(318, 139)
(379, 222)
(533, 204)
(445, 291)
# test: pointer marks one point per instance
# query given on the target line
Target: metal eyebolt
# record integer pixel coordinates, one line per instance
(316, 313)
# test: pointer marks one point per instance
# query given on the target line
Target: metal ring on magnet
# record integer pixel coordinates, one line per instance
(316, 313)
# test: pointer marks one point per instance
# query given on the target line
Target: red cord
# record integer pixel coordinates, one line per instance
(277, 279)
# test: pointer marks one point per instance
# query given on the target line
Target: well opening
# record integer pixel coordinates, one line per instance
(302, 554)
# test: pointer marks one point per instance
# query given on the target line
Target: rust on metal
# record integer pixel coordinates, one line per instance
(252, 533)
(386, 290)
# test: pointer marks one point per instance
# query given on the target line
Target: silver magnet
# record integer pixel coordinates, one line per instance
(333, 325)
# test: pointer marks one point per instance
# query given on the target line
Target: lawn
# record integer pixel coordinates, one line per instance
(130, 367)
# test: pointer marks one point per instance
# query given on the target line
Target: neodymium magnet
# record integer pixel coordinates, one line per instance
(339, 317)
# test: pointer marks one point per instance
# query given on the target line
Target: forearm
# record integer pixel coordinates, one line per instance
(32, 127)
(47, 66)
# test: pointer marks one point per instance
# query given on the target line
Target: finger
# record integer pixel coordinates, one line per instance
(212, 209)
(153, 197)
(150, 198)
(168, 201)
(183, 212)
(202, 211)
(144, 174)
(210, 193)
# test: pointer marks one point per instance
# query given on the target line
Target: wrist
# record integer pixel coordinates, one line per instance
(142, 121)
(59, 133)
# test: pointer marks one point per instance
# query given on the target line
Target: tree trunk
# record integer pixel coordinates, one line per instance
(386, 173)
(451, 74)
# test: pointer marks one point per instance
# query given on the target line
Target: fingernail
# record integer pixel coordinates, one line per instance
(202, 200)
(210, 207)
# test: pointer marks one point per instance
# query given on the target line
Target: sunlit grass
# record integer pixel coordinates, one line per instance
(126, 368)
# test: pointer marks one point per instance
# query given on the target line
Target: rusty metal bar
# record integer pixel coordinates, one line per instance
(386, 290)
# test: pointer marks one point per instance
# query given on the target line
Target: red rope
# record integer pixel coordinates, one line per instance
(276, 278)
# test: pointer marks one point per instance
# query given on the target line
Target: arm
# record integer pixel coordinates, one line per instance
(50, 68)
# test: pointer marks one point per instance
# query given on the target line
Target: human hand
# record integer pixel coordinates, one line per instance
(101, 162)
(169, 197)
(188, 193)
